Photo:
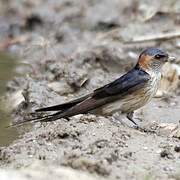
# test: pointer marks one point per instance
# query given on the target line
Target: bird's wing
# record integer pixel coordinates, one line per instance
(126, 84)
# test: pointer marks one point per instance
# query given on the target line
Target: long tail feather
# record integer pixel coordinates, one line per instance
(77, 108)
(36, 119)
(64, 106)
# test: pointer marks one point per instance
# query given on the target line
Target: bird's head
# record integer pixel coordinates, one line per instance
(152, 59)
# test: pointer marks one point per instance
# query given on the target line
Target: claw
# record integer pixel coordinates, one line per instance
(130, 117)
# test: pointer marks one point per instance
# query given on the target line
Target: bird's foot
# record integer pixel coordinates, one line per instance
(131, 119)
(123, 121)
(136, 126)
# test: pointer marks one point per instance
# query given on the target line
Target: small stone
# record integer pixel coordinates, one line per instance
(145, 148)
(168, 168)
(158, 151)
(167, 128)
(177, 148)
(15, 99)
(166, 154)
(60, 87)
(127, 155)
(93, 134)
(176, 133)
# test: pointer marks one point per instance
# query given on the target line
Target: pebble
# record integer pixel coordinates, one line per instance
(177, 148)
(145, 148)
(168, 168)
(166, 154)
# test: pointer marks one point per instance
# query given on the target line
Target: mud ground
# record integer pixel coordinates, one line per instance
(68, 48)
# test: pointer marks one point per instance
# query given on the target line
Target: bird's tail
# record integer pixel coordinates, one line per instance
(61, 108)
(36, 119)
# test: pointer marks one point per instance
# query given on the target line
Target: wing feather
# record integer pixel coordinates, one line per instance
(126, 84)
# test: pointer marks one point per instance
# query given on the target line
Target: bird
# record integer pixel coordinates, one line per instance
(126, 94)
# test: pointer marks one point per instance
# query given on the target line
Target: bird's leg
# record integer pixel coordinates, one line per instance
(130, 117)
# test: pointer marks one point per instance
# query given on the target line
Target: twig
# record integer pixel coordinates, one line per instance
(155, 37)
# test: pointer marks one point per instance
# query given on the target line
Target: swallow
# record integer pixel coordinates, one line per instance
(125, 94)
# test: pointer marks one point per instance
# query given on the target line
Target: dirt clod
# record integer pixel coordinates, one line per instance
(166, 154)
(177, 148)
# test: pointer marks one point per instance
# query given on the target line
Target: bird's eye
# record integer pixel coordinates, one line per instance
(159, 56)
